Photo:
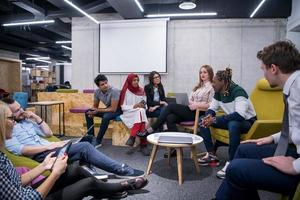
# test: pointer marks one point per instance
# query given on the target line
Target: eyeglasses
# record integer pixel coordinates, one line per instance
(18, 110)
(12, 118)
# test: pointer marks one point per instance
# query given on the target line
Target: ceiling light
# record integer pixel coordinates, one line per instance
(187, 5)
(63, 64)
(257, 8)
(84, 13)
(43, 58)
(139, 5)
(181, 14)
(32, 55)
(26, 68)
(42, 66)
(29, 23)
(69, 48)
(45, 61)
(63, 42)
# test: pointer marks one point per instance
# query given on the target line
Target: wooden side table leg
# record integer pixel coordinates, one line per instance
(169, 155)
(194, 154)
(152, 157)
(179, 165)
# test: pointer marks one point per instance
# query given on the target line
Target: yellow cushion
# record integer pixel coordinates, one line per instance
(267, 101)
(263, 84)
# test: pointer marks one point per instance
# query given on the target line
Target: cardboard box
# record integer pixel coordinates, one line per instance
(35, 72)
(44, 73)
(33, 86)
(42, 86)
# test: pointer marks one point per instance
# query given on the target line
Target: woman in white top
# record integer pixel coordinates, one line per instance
(200, 97)
(133, 104)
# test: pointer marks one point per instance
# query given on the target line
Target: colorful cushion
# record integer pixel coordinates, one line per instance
(88, 91)
(78, 110)
(187, 123)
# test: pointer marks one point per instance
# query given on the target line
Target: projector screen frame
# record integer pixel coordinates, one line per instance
(136, 20)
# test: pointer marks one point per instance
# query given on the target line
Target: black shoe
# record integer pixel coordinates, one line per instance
(130, 151)
(95, 143)
(172, 153)
(144, 150)
(130, 141)
(136, 183)
(143, 134)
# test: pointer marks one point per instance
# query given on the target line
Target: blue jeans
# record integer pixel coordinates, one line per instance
(247, 173)
(235, 129)
(106, 117)
(156, 113)
(85, 152)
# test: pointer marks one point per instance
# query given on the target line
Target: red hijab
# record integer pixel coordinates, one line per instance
(128, 85)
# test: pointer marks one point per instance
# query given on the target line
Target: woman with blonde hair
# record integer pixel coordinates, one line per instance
(64, 182)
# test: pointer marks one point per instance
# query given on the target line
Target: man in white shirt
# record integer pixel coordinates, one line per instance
(271, 163)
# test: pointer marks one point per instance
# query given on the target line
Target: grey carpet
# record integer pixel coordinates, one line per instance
(163, 182)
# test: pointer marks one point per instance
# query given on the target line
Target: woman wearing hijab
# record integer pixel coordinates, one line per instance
(133, 104)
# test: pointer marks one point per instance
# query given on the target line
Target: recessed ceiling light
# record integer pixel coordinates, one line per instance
(66, 47)
(81, 11)
(63, 42)
(42, 58)
(29, 23)
(257, 8)
(139, 5)
(181, 14)
(187, 5)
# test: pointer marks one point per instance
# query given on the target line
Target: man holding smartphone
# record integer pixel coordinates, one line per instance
(28, 140)
(109, 96)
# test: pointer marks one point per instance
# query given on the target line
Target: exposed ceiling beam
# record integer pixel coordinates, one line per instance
(93, 7)
(161, 2)
(15, 18)
(14, 40)
(96, 6)
(128, 9)
(28, 35)
(30, 7)
(58, 3)
(60, 28)
(4, 6)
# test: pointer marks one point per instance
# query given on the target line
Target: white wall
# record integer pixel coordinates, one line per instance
(191, 43)
(294, 21)
(68, 73)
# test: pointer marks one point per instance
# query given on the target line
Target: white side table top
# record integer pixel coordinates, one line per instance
(154, 137)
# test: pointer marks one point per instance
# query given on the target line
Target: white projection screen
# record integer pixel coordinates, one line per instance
(138, 46)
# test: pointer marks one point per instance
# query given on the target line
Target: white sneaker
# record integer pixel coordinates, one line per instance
(222, 173)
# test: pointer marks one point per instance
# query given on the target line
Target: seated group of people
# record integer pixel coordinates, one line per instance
(280, 64)
(277, 161)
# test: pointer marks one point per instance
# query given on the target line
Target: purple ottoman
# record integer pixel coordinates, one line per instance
(187, 123)
(78, 110)
(88, 91)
